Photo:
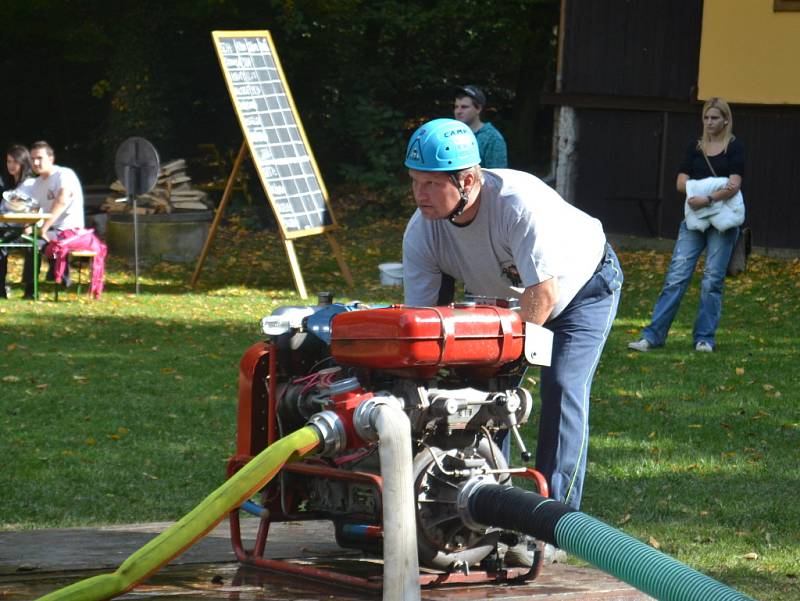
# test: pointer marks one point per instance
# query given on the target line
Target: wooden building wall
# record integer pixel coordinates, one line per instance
(629, 69)
(645, 48)
(619, 179)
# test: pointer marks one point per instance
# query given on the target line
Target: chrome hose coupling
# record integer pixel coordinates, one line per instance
(331, 432)
(364, 415)
(462, 501)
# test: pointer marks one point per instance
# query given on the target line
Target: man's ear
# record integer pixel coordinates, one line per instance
(469, 180)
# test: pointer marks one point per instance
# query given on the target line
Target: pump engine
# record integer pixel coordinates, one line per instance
(456, 370)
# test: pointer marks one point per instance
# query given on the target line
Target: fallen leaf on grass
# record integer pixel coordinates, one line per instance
(10, 378)
(654, 543)
(751, 556)
(740, 371)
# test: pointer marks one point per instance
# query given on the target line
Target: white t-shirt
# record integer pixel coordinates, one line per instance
(26, 185)
(522, 227)
(46, 190)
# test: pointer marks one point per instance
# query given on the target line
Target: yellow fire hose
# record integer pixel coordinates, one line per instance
(195, 524)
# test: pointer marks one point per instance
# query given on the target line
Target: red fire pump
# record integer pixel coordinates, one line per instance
(457, 371)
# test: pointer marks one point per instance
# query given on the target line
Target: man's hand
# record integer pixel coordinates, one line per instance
(538, 301)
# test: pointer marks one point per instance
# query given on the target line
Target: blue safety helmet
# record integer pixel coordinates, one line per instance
(442, 145)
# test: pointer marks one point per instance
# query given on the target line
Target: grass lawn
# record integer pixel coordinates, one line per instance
(124, 410)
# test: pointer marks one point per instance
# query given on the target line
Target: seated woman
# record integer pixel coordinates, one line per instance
(20, 178)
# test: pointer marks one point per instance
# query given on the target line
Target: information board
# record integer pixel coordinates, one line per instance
(274, 134)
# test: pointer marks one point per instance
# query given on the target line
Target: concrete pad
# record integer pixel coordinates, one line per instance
(35, 562)
(106, 547)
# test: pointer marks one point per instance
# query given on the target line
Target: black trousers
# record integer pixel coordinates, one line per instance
(27, 269)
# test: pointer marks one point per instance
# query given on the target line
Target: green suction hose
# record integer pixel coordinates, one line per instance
(195, 524)
(614, 552)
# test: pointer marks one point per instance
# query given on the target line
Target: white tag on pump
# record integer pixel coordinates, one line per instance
(538, 344)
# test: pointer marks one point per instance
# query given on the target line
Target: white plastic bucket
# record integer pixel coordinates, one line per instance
(391, 274)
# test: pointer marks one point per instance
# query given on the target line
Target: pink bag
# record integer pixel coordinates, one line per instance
(79, 239)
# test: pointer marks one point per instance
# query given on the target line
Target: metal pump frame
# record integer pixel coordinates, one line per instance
(258, 403)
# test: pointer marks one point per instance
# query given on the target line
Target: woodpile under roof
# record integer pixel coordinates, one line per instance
(173, 192)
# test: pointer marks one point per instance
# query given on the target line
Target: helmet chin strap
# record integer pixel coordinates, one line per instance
(462, 202)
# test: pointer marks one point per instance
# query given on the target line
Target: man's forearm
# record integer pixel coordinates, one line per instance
(538, 301)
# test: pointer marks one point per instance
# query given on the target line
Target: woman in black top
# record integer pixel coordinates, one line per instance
(712, 222)
(18, 167)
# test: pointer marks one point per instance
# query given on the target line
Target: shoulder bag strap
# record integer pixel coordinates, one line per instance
(705, 156)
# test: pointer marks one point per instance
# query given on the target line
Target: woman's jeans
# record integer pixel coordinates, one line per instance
(688, 247)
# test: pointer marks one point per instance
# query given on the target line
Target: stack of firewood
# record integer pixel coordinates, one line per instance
(173, 192)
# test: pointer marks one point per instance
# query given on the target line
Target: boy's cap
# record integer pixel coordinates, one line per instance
(473, 92)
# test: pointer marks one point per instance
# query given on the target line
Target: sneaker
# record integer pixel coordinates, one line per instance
(703, 347)
(640, 345)
(554, 554)
(519, 555)
(522, 554)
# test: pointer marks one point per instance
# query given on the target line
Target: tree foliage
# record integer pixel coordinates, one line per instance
(363, 74)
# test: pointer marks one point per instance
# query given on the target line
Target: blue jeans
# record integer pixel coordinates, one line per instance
(579, 334)
(688, 247)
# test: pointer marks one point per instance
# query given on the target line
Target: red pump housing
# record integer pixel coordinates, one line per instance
(427, 338)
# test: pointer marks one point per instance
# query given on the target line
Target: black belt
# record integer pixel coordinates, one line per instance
(602, 260)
